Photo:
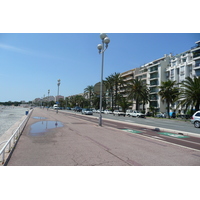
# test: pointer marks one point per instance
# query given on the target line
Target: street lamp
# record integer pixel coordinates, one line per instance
(58, 92)
(105, 40)
(48, 98)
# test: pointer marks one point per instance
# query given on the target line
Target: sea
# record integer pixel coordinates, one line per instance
(9, 115)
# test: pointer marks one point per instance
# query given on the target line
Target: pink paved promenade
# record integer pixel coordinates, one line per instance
(78, 142)
(60, 139)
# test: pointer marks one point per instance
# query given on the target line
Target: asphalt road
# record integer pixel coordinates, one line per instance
(174, 124)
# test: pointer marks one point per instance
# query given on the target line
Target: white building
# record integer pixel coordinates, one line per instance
(196, 59)
(186, 64)
(175, 68)
(153, 73)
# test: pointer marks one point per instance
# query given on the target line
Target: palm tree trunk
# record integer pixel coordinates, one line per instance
(168, 110)
(197, 106)
(137, 104)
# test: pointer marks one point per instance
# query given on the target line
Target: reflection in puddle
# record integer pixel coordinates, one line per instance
(39, 117)
(40, 128)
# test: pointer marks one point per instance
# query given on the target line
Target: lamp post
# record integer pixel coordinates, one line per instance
(105, 40)
(58, 92)
(48, 99)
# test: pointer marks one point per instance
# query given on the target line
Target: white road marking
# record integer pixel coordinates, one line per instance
(157, 137)
(129, 121)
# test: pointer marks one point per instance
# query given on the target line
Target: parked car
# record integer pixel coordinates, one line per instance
(129, 112)
(149, 114)
(138, 114)
(118, 112)
(77, 109)
(55, 107)
(134, 113)
(98, 111)
(196, 119)
(107, 112)
(87, 111)
(161, 115)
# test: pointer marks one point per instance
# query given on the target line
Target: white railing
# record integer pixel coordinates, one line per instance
(9, 144)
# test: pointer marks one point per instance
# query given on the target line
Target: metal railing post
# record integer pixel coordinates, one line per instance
(15, 136)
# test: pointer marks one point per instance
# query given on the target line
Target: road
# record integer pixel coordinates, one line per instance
(174, 124)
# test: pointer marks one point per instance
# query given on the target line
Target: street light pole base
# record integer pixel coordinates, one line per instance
(100, 120)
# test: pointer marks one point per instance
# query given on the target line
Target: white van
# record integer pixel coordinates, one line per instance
(55, 107)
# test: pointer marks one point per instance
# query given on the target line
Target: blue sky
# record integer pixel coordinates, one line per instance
(31, 63)
(43, 41)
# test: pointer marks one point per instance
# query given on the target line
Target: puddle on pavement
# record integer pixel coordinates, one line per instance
(41, 128)
(39, 117)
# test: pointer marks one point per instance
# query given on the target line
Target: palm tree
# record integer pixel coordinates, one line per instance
(89, 91)
(138, 91)
(145, 96)
(168, 93)
(80, 100)
(109, 83)
(123, 102)
(62, 103)
(77, 100)
(190, 94)
(117, 82)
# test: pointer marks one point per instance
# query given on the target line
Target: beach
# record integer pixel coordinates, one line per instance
(10, 115)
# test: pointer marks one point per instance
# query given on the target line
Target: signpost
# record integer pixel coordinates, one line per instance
(97, 88)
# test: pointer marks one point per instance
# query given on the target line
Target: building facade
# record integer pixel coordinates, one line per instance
(175, 68)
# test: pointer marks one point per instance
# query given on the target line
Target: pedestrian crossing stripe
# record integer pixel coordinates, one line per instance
(173, 135)
(131, 131)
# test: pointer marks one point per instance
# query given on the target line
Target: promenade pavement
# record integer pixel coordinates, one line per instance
(58, 139)
(70, 145)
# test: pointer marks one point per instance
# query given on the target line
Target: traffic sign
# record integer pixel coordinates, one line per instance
(97, 88)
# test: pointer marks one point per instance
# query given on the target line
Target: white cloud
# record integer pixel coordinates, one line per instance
(11, 48)
(28, 52)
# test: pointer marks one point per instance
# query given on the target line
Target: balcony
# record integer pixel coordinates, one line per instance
(153, 90)
(154, 76)
(182, 73)
(127, 73)
(197, 65)
(154, 104)
(128, 78)
(196, 55)
(197, 68)
(153, 83)
(154, 98)
(153, 69)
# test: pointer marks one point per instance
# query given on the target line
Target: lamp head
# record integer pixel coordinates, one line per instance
(106, 40)
(99, 46)
(103, 35)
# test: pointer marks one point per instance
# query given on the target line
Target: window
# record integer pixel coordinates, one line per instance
(172, 72)
(197, 72)
(182, 71)
(197, 63)
(198, 114)
(173, 63)
(184, 60)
